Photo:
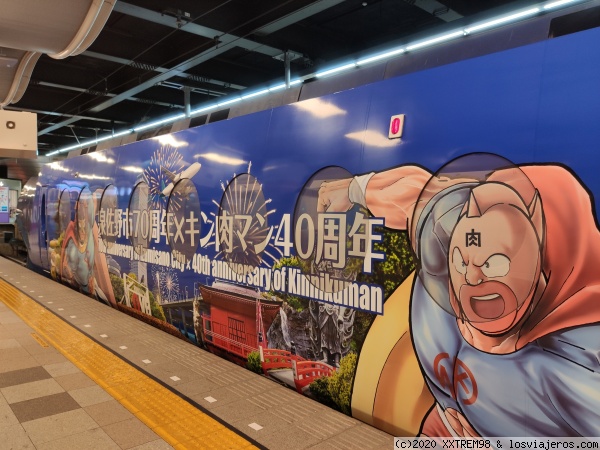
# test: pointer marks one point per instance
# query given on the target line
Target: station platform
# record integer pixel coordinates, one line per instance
(77, 374)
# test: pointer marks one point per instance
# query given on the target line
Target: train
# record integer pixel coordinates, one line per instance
(415, 245)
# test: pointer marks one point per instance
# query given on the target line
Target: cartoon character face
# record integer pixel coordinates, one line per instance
(494, 265)
(82, 230)
(83, 217)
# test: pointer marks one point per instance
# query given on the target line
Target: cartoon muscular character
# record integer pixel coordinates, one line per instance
(505, 307)
(79, 256)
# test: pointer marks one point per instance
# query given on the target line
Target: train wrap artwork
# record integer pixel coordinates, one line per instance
(420, 253)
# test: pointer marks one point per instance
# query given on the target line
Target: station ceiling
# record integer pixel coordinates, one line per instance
(149, 51)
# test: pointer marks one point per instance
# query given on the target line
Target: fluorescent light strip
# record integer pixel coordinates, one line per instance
(68, 149)
(255, 94)
(367, 60)
(201, 110)
(503, 20)
(159, 122)
(277, 87)
(62, 150)
(335, 70)
(92, 142)
(436, 40)
(228, 102)
(559, 3)
(385, 55)
(110, 136)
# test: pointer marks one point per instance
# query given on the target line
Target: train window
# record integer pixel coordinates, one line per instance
(219, 115)
(44, 232)
(165, 129)
(52, 227)
(84, 217)
(43, 213)
(139, 210)
(107, 219)
(97, 196)
(53, 230)
(198, 120)
(574, 22)
(184, 220)
(76, 238)
(59, 226)
(64, 211)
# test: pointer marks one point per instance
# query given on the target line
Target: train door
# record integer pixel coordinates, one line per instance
(58, 211)
(43, 236)
(53, 229)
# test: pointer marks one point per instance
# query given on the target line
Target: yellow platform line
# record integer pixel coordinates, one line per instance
(176, 421)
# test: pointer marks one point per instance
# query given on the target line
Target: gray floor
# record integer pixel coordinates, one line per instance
(47, 402)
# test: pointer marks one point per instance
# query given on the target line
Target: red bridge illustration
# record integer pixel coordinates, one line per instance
(303, 370)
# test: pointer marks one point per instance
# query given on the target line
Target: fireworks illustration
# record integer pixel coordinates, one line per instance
(166, 283)
(243, 223)
(166, 157)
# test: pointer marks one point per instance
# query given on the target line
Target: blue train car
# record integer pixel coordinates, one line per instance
(419, 252)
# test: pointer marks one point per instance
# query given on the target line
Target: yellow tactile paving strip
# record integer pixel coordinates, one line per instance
(176, 421)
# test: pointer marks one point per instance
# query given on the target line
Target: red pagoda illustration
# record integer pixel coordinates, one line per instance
(238, 319)
(237, 325)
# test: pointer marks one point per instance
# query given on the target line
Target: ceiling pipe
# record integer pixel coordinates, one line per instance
(226, 42)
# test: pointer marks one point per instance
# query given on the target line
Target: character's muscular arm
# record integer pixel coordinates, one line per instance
(391, 194)
(69, 265)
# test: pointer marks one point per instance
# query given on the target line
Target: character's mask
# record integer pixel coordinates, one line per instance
(495, 257)
(84, 216)
(479, 218)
